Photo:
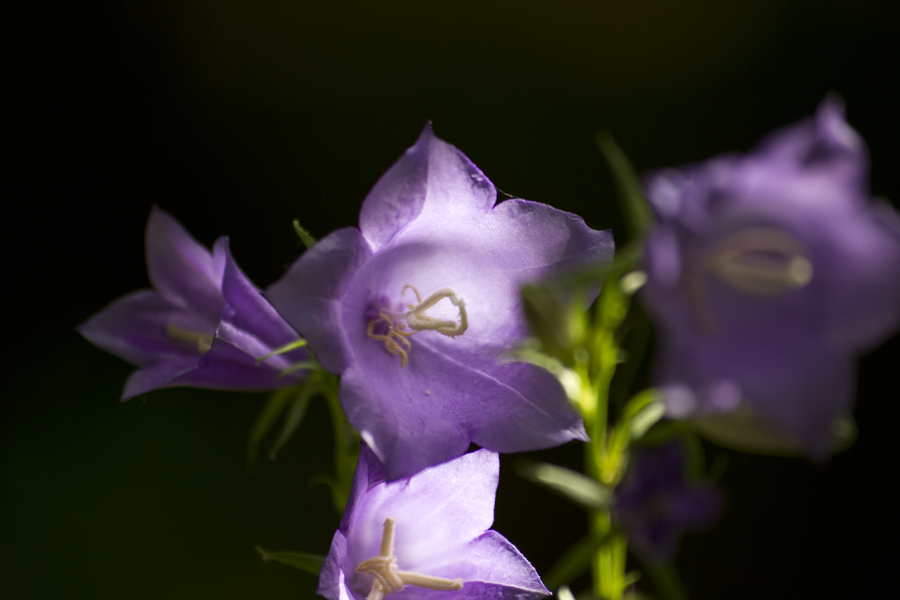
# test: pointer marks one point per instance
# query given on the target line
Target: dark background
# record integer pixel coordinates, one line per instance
(238, 117)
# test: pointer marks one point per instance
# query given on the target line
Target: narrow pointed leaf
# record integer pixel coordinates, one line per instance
(294, 416)
(273, 408)
(311, 563)
(635, 209)
(308, 240)
(574, 486)
(286, 348)
(574, 562)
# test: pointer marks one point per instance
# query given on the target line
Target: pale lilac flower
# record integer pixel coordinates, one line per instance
(416, 308)
(767, 274)
(203, 324)
(426, 537)
(656, 502)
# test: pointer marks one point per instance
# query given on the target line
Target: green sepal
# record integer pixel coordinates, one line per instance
(635, 209)
(308, 240)
(294, 416)
(282, 349)
(311, 563)
(569, 379)
(572, 485)
(560, 325)
(574, 562)
(643, 412)
(274, 406)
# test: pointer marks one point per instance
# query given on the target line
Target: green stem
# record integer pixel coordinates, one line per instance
(346, 443)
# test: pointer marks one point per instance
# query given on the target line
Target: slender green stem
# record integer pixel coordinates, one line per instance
(346, 443)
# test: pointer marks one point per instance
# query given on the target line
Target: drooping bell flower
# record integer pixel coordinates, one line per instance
(767, 274)
(657, 502)
(426, 537)
(416, 308)
(204, 324)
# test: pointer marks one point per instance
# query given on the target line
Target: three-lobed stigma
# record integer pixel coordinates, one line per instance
(389, 579)
(395, 328)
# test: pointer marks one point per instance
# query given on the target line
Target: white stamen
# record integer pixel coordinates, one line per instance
(419, 321)
(389, 579)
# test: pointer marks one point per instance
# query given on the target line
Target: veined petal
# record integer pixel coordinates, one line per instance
(181, 269)
(136, 327)
(309, 295)
(249, 322)
(432, 177)
(157, 376)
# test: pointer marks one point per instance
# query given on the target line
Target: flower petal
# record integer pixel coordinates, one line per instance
(331, 577)
(250, 323)
(180, 269)
(309, 295)
(431, 177)
(135, 328)
(157, 376)
(437, 510)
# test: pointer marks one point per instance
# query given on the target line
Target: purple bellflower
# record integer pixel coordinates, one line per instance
(203, 324)
(426, 537)
(767, 274)
(416, 308)
(655, 503)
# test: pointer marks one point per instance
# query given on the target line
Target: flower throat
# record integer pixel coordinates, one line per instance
(395, 328)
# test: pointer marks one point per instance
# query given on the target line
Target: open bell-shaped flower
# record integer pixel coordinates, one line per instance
(204, 324)
(767, 274)
(426, 537)
(416, 308)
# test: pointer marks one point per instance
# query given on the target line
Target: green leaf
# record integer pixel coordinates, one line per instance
(572, 485)
(574, 562)
(273, 408)
(311, 563)
(635, 209)
(294, 417)
(308, 240)
(643, 412)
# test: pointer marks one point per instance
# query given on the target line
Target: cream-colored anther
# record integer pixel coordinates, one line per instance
(389, 579)
(761, 261)
(418, 320)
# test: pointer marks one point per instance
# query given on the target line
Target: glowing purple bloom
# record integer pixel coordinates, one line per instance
(767, 274)
(416, 308)
(656, 502)
(426, 537)
(203, 324)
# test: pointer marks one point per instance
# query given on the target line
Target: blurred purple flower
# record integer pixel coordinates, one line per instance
(767, 274)
(416, 307)
(203, 324)
(426, 537)
(655, 502)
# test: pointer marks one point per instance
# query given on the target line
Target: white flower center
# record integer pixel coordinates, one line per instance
(389, 579)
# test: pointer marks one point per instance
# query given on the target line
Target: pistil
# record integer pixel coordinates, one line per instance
(389, 579)
(202, 340)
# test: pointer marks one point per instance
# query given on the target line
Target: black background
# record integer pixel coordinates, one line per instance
(238, 117)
